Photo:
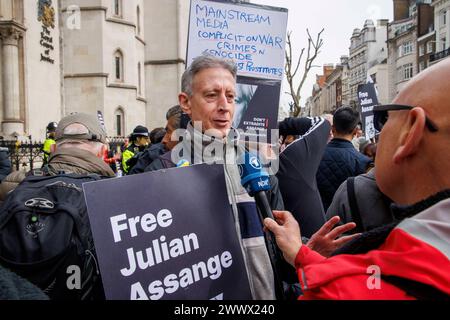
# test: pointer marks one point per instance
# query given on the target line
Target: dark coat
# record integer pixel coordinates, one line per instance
(340, 162)
(5, 163)
(147, 157)
(299, 163)
(13, 287)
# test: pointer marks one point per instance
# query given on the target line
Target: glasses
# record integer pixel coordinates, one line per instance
(381, 115)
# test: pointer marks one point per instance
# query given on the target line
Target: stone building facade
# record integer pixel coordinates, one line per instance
(367, 49)
(30, 65)
(412, 20)
(442, 27)
(123, 58)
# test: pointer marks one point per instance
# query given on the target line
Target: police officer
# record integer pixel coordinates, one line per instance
(51, 131)
(139, 141)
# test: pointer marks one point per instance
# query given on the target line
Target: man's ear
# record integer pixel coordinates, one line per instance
(183, 100)
(53, 148)
(333, 130)
(412, 135)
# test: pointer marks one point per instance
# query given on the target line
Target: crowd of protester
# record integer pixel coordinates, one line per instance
(342, 202)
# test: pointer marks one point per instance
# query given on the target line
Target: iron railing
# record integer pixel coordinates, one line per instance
(28, 154)
(440, 55)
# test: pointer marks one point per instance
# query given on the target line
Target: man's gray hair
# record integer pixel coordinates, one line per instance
(205, 62)
(175, 112)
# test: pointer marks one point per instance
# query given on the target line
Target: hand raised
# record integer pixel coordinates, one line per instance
(326, 240)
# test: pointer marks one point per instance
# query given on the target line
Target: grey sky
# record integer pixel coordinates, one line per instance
(338, 17)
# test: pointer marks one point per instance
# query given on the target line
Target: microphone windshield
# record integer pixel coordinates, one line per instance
(253, 176)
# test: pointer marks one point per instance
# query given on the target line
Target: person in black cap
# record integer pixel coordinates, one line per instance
(176, 119)
(139, 141)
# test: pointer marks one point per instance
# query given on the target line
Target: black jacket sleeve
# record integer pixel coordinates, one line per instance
(155, 166)
(299, 163)
(296, 126)
(305, 154)
(147, 157)
(274, 195)
(163, 162)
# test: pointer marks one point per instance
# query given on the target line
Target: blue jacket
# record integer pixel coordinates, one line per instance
(340, 162)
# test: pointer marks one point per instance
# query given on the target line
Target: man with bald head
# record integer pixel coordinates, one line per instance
(408, 259)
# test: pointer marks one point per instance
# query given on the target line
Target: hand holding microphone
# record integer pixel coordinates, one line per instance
(287, 234)
(256, 181)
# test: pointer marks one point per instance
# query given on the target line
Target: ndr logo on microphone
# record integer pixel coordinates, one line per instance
(263, 183)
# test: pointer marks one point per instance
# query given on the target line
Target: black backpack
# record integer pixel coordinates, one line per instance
(45, 237)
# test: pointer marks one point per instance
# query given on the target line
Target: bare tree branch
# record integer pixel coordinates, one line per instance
(312, 52)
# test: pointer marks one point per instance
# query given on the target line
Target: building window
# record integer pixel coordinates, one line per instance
(403, 28)
(408, 71)
(138, 20)
(430, 47)
(408, 47)
(443, 43)
(118, 66)
(443, 17)
(119, 122)
(421, 66)
(139, 79)
(405, 72)
(405, 49)
(421, 50)
(118, 8)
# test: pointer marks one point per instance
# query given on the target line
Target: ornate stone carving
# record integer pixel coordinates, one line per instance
(10, 35)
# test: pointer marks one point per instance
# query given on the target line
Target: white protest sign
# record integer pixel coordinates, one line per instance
(253, 36)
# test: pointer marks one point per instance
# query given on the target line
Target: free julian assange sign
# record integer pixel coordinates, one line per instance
(167, 235)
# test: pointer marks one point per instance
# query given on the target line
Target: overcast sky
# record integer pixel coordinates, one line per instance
(338, 17)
